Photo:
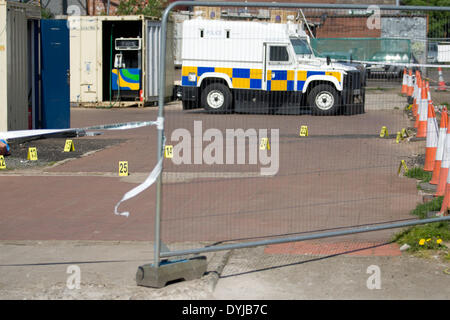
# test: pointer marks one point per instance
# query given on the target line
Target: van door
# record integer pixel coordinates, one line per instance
(279, 67)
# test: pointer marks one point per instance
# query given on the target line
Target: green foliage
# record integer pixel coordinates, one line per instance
(419, 174)
(438, 20)
(422, 209)
(428, 236)
(46, 14)
(151, 8)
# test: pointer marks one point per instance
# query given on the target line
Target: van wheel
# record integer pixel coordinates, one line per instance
(324, 100)
(216, 98)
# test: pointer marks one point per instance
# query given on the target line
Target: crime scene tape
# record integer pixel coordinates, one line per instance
(140, 188)
(21, 134)
(400, 64)
(154, 174)
(124, 126)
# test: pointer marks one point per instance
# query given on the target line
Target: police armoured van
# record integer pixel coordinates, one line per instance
(260, 67)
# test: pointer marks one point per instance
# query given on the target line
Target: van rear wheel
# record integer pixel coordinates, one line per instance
(216, 98)
(324, 100)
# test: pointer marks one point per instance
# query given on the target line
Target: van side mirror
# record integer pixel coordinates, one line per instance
(328, 60)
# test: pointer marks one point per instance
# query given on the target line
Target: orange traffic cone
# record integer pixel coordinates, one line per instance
(404, 82)
(417, 97)
(410, 89)
(445, 164)
(441, 86)
(423, 114)
(432, 138)
(446, 200)
(440, 148)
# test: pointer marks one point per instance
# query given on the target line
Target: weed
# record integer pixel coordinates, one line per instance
(447, 257)
(422, 209)
(419, 174)
(428, 236)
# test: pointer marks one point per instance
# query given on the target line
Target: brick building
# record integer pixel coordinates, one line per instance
(325, 23)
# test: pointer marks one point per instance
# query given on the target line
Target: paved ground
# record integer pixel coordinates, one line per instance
(342, 175)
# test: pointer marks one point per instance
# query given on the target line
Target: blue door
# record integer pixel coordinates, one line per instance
(55, 74)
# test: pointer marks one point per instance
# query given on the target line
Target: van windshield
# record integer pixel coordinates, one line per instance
(300, 46)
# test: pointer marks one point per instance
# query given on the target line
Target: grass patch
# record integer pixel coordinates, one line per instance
(447, 257)
(428, 236)
(422, 209)
(419, 174)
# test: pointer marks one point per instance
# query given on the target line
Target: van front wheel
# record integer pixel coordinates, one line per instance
(324, 100)
(216, 98)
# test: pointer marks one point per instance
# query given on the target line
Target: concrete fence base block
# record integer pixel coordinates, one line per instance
(169, 271)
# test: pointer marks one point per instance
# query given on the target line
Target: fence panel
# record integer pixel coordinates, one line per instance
(293, 121)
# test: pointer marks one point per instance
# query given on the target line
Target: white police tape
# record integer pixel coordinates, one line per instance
(399, 64)
(140, 188)
(159, 123)
(125, 126)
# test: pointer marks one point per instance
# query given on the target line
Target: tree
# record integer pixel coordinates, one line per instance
(439, 21)
(152, 8)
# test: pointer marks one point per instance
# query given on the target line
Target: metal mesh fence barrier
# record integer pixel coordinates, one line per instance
(278, 130)
(298, 121)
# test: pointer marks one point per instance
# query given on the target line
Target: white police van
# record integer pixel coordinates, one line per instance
(259, 67)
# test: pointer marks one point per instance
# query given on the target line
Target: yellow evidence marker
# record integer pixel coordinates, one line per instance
(2, 163)
(402, 164)
(32, 154)
(404, 133)
(123, 168)
(399, 137)
(384, 132)
(303, 131)
(168, 152)
(264, 144)
(69, 146)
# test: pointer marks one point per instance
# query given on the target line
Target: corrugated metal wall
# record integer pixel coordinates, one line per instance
(3, 70)
(18, 52)
(153, 43)
(153, 47)
(14, 69)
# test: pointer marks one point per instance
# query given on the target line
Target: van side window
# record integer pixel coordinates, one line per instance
(278, 54)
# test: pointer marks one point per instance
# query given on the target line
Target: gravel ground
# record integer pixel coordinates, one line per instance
(51, 150)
